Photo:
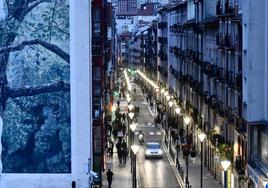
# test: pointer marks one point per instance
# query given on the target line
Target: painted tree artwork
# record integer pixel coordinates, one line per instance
(35, 86)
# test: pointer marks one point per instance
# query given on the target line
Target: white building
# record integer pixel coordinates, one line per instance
(81, 121)
(255, 84)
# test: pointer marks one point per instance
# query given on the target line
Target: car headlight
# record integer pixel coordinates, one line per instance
(147, 152)
(160, 152)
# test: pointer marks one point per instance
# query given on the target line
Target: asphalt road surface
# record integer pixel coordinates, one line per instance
(153, 173)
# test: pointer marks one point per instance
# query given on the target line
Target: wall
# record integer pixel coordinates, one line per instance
(80, 112)
(255, 59)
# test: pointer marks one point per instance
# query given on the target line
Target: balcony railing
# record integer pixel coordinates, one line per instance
(229, 10)
(225, 41)
(162, 25)
(238, 81)
(162, 40)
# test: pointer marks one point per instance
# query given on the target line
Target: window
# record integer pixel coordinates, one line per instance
(96, 73)
(96, 21)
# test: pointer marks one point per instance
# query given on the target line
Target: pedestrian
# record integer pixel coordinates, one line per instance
(111, 147)
(124, 151)
(119, 151)
(109, 175)
(193, 154)
(118, 103)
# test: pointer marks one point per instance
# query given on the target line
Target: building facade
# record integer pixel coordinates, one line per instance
(200, 63)
(255, 50)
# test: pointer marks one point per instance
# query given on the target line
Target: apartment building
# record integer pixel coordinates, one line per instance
(254, 68)
(200, 62)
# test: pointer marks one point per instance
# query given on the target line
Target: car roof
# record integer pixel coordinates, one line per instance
(153, 143)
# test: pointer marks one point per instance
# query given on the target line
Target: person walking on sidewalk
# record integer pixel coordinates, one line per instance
(124, 152)
(109, 175)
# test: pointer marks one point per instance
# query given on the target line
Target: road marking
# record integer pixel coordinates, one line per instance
(151, 133)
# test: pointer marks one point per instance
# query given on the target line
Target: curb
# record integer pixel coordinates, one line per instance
(173, 166)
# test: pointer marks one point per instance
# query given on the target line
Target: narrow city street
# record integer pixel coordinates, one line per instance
(153, 173)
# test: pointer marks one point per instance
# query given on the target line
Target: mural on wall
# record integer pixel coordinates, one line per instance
(35, 86)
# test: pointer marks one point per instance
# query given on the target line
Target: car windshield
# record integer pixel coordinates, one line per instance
(153, 146)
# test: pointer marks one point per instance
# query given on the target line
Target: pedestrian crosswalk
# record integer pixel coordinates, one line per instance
(151, 133)
(146, 125)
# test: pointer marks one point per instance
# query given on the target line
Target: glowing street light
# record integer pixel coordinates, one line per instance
(168, 97)
(178, 110)
(225, 165)
(130, 107)
(202, 137)
(131, 115)
(128, 99)
(170, 103)
(186, 120)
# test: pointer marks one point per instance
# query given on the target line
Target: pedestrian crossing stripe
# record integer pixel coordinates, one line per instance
(150, 133)
(148, 125)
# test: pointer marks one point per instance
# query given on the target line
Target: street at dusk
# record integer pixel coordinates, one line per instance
(133, 94)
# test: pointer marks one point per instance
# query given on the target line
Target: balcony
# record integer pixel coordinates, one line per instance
(219, 8)
(220, 74)
(162, 40)
(229, 10)
(214, 70)
(207, 68)
(230, 80)
(225, 41)
(221, 109)
(162, 25)
(238, 81)
(162, 55)
(241, 125)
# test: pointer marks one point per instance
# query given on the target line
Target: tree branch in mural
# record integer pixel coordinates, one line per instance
(30, 91)
(53, 48)
(34, 87)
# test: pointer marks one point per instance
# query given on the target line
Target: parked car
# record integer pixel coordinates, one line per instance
(153, 150)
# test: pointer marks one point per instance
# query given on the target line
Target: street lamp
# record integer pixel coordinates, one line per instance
(178, 111)
(165, 93)
(132, 141)
(131, 115)
(225, 165)
(113, 108)
(167, 97)
(130, 107)
(187, 121)
(128, 99)
(202, 137)
(135, 149)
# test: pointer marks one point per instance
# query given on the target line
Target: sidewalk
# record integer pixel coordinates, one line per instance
(122, 174)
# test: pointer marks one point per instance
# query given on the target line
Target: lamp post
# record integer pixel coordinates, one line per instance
(187, 121)
(178, 111)
(202, 137)
(130, 107)
(132, 140)
(135, 149)
(225, 165)
(131, 115)
(170, 104)
(128, 99)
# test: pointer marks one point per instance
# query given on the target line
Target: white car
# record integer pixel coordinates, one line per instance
(153, 150)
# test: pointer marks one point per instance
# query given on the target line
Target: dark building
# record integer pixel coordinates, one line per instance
(101, 78)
